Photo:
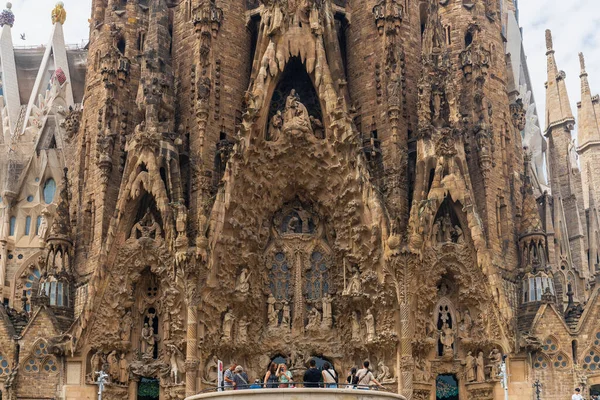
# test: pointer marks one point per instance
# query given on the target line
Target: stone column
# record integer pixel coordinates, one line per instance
(4, 233)
(191, 355)
(405, 359)
(132, 389)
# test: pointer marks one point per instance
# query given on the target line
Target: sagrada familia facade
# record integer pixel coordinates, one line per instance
(257, 180)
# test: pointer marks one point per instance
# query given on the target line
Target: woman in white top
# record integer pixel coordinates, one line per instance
(329, 376)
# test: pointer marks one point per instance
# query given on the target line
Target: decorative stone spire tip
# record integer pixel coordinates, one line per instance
(582, 62)
(6, 16)
(59, 14)
(549, 45)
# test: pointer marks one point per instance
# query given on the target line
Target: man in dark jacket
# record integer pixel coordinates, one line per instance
(312, 376)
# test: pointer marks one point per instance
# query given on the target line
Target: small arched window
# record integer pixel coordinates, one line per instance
(27, 225)
(468, 39)
(13, 226)
(534, 287)
(37, 224)
(49, 191)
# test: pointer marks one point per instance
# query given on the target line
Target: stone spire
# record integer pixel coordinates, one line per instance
(558, 108)
(588, 123)
(10, 85)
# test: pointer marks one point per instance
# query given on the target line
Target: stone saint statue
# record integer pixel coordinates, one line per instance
(314, 319)
(275, 126)
(327, 314)
(295, 113)
(96, 364)
(470, 367)
(384, 375)
(148, 340)
(495, 361)
(113, 366)
(480, 367)
(286, 317)
(123, 370)
(43, 229)
(242, 333)
(354, 286)
(272, 313)
(126, 325)
(447, 339)
(242, 284)
(227, 325)
(370, 325)
(147, 227)
(465, 326)
(355, 327)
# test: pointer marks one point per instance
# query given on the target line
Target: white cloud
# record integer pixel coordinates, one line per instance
(574, 29)
(32, 18)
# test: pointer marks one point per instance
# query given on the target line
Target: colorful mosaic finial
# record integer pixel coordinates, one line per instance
(59, 14)
(6, 16)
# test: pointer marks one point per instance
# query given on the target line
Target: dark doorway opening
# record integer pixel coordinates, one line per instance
(595, 390)
(446, 387)
(148, 389)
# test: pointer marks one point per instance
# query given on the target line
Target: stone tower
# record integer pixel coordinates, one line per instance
(259, 181)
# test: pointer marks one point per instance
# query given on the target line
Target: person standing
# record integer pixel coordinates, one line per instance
(240, 378)
(351, 379)
(228, 382)
(329, 376)
(365, 377)
(577, 395)
(271, 378)
(312, 376)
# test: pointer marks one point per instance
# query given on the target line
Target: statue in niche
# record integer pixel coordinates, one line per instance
(148, 340)
(147, 227)
(43, 229)
(370, 325)
(422, 373)
(457, 234)
(572, 150)
(113, 366)
(177, 361)
(295, 113)
(495, 362)
(470, 367)
(314, 319)
(355, 285)
(96, 364)
(275, 127)
(181, 223)
(430, 330)
(123, 370)
(384, 376)
(126, 325)
(327, 313)
(286, 315)
(465, 326)
(272, 313)
(480, 327)
(317, 127)
(355, 327)
(447, 340)
(227, 325)
(211, 370)
(446, 228)
(242, 284)
(480, 367)
(243, 329)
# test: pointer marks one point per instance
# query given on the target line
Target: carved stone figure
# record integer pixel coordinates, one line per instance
(147, 227)
(295, 115)
(465, 326)
(43, 229)
(355, 327)
(314, 319)
(96, 364)
(327, 314)
(126, 325)
(479, 362)
(272, 313)
(422, 370)
(211, 370)
(317, 127)
(228, 320)
(470, 367)
(384, 376)
(177, 361)
(355, 285)
(495, 358)
(113, 366)
(447, 339)
(275, 126)
(148, 340)
(242, 284)
(458, 235)
(242, 332)
(286, 315)
(123, 369)
(370, 326)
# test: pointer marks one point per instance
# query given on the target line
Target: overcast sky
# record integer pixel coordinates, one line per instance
(573, 23)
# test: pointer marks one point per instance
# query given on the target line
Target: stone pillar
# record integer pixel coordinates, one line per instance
(405, 359)
(191, 355)
(4, 233)
(132, 389)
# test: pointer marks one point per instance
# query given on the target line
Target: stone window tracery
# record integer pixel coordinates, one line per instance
(57, 291)
(534, 286)
(561, 361)
(591, 361)
(317, 278)
(541, 362)
(550, 345)
(4, 366)
(279, 277)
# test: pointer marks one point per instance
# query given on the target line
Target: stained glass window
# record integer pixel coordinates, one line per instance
(49, 190)
(27, 225)
(279, 277)
(4, 367)
(317, 278)
(13, 226)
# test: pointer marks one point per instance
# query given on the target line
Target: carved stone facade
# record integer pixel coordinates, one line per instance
(252, 180)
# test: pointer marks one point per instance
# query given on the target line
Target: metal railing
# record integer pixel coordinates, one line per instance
(296, 384)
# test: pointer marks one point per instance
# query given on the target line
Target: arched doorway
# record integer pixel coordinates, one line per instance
(594, 390)
(446, 387)
(148, 389)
